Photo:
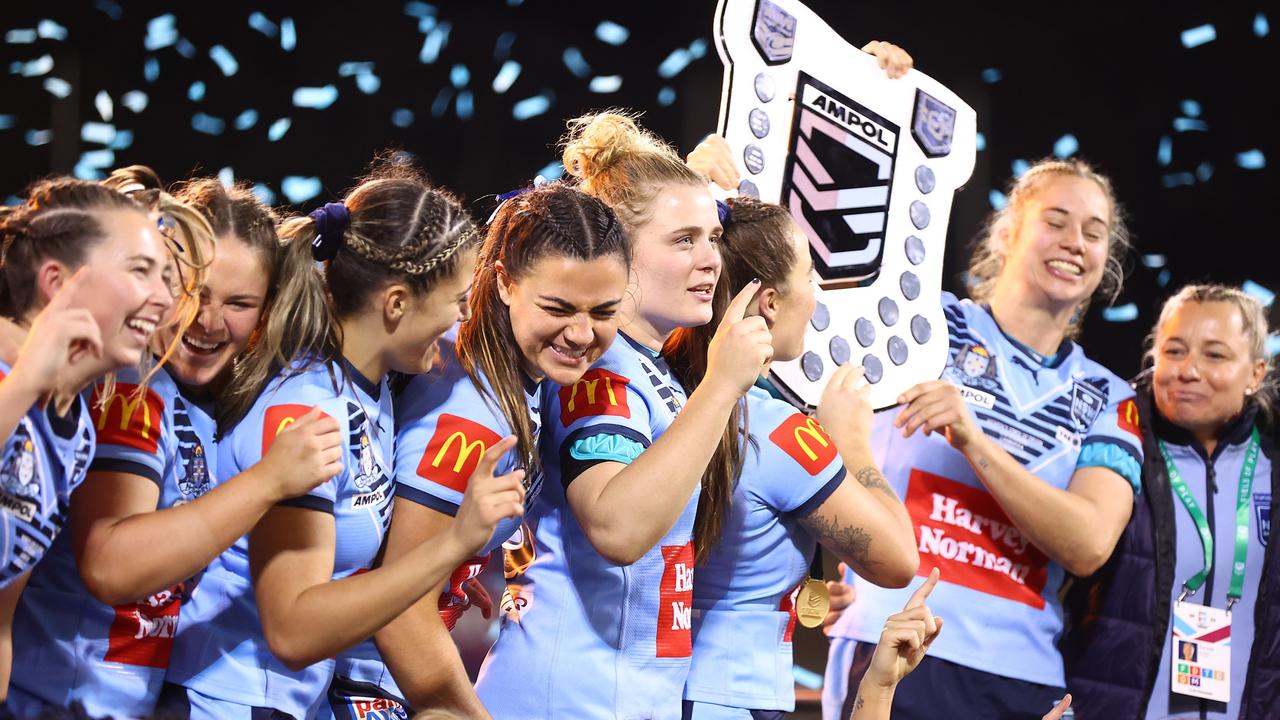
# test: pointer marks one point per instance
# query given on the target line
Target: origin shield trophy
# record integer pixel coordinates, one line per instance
(868, 167)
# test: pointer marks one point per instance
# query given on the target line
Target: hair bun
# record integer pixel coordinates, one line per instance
(596, 141)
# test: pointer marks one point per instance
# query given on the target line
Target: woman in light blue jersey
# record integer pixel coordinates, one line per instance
(791, 485)
(258, 637)
(84, 281)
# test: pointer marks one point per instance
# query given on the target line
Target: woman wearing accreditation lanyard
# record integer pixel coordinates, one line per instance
(789, 488)
(153, 511)
(1018, 466)
(256, 638)
(1210, 443)
(544, 303)
(604, 628)
(84, 281)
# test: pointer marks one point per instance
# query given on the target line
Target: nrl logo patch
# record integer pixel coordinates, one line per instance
(774, 33)
(1086, 402)
(933, 125)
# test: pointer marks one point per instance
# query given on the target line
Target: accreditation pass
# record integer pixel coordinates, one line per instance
(1201, 647)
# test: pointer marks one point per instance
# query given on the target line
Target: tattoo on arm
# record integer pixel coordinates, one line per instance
(849, 542)
(858, 703)
(871, 479)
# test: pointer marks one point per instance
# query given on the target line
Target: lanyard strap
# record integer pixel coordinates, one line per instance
(1195, 582)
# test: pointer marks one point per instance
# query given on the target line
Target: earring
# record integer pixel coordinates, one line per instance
(1249, 391)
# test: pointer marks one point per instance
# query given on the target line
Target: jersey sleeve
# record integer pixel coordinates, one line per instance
(797, 466)
(445, 427)
(601, 418)
(1114, 441)
(134, 431)
(255, 434)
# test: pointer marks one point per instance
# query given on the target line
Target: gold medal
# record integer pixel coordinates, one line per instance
(812, 603)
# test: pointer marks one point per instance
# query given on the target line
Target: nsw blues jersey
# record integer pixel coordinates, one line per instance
(998, 592)
(743, 615)
(220, 650)
(594, 639)
(67, 645)
(42, 461)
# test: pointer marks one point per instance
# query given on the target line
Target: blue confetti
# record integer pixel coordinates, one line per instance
(1273, 345)
(997, 199)
(678, 60)
(1164, 153)
(806, 678)
(506, 76)
(15, 200)
(160, 32)
(980, 142)
(1263, 295)
(51, 30)
(513, 3)
(96, 132)
(57, 87)
(553, 171)
(1164, 277)
(1204, 171)
(419, 9)
(122, 140)
(110, 8)
(466, 106)
(459, 75)
(135, 100)
(577, 64)
(278, 129)
(288, 35)
(666, 96)
(1154, 261)
(612, 33)
(1187, 124)
(1191, 108)
(263, 24)
(97, 159)
(991, 75)
(368, 83)
(441, 103)
(102, 103)
(502, 47)
(698, 48)
(1260, 25)
(1251, 159)
(39, 137)
(225, 60)
(185, 48)
(42, 65)
(1176, 179)
(605, 83)
(207, 124)
(84, 172)
(265, 194)
(246, 119)
(151, 69)
(1020, 167)
(299, 189)
(434, 43)
(227, 177)
(318, 98)
(402, 118)
(1120, 313)
(1066, 146)
(347, 69)
(6, 121)
(531, 107)
(426, 24)
(20, 37)
(1199, 35)
(195, 93)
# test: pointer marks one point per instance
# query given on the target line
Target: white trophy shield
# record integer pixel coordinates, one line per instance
(868, 167)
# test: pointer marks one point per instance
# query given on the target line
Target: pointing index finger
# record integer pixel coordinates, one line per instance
(62, 298)
(738, 306)
(922, 593)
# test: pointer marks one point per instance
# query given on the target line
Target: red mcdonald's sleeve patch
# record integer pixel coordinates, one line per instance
(801, 437)
(454, 451)
(128, 419)
(277, 418)
(599, 392)
(1128, 419)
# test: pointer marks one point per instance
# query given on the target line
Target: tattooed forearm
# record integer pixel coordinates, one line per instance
(858, 703)
(871, 479)
(849, 542)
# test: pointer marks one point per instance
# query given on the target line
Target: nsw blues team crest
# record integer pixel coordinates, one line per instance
(19, 479)
(367, 472)
(1262, 512)
(196, 482)
(1086, 402)
(974, 365)
(774, 33)
(933, 125)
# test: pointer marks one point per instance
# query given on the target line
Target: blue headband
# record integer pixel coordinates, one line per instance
(331, 222)
(725, 211)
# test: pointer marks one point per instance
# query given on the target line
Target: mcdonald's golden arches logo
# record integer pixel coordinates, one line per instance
(128, 418)
(802, 438)
(454, 451)
(599, 392)
(1128, 419)
(277, 418)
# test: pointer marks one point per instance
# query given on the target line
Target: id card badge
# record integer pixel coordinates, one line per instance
(1201, 648)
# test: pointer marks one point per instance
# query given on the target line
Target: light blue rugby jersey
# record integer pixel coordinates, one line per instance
(219, 650)
(443, 427)
(44, 459)
(70, 647)
(997, 591)
(594, 639)
(743, 599)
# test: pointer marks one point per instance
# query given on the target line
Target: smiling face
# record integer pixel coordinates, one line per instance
(231, 305)
(1203, 366)
(676, 261)
(413, 347)
(1061, 240)
(564, 313)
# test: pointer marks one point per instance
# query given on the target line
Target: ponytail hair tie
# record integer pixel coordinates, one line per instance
(331, 222)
